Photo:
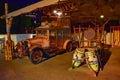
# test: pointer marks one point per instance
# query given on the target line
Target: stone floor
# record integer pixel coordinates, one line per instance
(58, 68)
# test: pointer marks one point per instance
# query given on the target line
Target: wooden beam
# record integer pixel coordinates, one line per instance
(30, 8)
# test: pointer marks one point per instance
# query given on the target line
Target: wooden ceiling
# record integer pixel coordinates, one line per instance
(88, 9)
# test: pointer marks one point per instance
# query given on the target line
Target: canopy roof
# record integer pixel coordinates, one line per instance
(78, 8)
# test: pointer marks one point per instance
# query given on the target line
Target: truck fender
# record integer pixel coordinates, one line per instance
(33, 47)
(65, 43)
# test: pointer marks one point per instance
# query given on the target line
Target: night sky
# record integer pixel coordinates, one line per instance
(19, 21)
(19, 3)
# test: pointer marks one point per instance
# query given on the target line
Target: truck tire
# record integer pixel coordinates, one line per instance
(69, 47)
(36, 56)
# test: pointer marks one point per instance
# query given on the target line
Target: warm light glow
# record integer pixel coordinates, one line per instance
(58, 12)
(55, 11)
(101, 16)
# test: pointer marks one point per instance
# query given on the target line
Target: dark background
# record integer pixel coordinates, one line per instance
(21, 23)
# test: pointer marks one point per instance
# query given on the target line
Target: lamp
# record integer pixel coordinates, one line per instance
(101, 16)
(58, 12)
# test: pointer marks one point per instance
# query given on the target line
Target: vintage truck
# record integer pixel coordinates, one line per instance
(48, 41)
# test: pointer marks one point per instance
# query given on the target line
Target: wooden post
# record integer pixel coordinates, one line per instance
(119, 33)
(79, 36)
(9, 43)
(111, 36)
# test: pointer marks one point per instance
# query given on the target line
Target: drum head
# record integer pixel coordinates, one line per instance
(89, 34)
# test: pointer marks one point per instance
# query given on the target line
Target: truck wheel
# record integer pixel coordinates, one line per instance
(69, 47)
(36, 56)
